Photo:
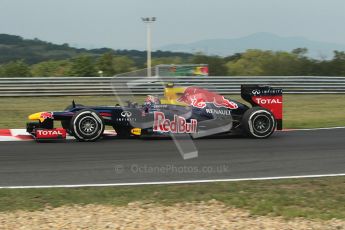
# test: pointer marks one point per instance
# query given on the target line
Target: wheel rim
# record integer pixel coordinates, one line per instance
(88, 125)
(261, 124)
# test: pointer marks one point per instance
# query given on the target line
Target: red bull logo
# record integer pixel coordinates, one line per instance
(198, 98)
(46, 115)
(178, 125)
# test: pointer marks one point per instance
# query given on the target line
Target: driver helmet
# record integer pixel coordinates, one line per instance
(151, 100)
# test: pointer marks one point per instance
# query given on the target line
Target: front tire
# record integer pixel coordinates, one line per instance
(258, 123)
(87, 125)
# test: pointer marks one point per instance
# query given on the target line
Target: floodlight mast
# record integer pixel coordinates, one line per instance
(148, 21)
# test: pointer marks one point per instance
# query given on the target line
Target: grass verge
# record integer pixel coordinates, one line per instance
(300, 111)
(317, 198)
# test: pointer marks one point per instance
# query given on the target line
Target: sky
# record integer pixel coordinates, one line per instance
(117, 24)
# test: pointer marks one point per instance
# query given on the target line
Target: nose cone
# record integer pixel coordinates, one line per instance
(41, 116)
(35, 116)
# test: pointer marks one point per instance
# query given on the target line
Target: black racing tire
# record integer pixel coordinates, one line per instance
(87, 125)
(258, 123)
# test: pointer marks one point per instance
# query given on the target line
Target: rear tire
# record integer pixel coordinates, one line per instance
(258, 122)
(87, 125)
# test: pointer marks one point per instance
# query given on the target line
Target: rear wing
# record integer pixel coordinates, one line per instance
(265, 97)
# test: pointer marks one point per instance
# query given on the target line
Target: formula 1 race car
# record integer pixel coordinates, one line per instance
(181, 111)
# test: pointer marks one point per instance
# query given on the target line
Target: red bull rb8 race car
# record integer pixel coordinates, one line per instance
(182, 110)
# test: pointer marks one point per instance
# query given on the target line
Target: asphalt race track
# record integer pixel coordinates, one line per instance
(110, 161)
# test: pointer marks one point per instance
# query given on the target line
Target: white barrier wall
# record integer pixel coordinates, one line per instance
(64, 86)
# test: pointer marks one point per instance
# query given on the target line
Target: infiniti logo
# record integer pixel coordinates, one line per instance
(256, 92)
(126, 114)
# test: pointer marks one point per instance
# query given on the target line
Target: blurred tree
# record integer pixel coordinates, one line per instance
(167, 60)
(105, 63)
(269, 63)
(51, 68)
(337, 65)
(83, 66)
(111, 64)
(15, 69)
(233, 57)
(281, 64)
(301, 52)
(123, 64)
(339, 55)
(250, 63)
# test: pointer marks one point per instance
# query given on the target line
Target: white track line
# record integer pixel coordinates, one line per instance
(173, 182)
(313, 129)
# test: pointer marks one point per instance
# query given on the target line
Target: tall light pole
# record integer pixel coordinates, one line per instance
(148, 21)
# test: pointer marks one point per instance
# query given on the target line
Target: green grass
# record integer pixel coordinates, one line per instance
(14, 111)
(312, 111)
(318, 198)
(300, 111)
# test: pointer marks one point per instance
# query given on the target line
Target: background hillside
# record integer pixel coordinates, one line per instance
(21, 57)
(33, 51)
(263, 41)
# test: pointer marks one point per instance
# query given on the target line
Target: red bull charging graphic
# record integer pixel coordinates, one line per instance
(46, 115)
(199, 98)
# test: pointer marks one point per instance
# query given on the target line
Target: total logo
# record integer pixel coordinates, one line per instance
(263, 101)
(178, 125)
(49, 132)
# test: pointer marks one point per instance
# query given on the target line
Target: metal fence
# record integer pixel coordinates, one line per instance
(65, 86)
